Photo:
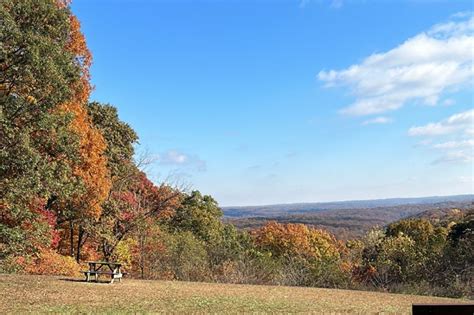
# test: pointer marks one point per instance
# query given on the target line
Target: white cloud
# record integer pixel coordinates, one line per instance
(180, 159)
(459, 147)
(462, 14)
(420, 69)
(457, 122)
(454, 157)
(377, 120)
(455, 144)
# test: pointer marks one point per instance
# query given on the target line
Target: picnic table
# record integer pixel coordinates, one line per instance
(97, 268)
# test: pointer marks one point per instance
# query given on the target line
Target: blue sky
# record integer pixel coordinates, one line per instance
(261, 102)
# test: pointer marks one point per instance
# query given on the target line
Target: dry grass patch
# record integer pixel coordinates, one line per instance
(22, 293)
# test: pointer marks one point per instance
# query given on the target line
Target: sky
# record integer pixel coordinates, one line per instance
(265, 102)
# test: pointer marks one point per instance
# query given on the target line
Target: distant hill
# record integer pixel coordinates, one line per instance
(443, 214)
(349, 219)
(304, 208)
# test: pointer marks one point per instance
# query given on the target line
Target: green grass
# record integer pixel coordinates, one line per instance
(43, 294)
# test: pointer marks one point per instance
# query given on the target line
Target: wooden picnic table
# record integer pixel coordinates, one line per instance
(97, 268)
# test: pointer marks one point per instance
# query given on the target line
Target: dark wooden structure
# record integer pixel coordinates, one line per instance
(97, 268)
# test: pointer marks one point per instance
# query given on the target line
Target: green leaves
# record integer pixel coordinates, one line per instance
(120, 137)
(37, 147)
(200, 215)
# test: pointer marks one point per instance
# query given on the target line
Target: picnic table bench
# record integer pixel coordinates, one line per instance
(110, 268)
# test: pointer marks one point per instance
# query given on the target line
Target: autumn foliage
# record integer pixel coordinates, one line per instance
(92, 166)
(297, 239)
(49, 262)
(71, 191)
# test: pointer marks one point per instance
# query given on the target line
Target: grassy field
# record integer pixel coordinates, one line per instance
(24, 293)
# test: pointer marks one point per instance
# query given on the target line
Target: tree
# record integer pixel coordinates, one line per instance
(405, 253)
(308, 256)
(37, 147)
(199, 215)
(50, 148)
(455, 272)
(296, 239)
(112, 141)
(126, 210)
(119, 137)
(133, 199)
(422, 231)
(34, 62)
(91, 167)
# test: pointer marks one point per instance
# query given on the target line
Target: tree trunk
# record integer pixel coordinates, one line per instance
(106, 250)
(142, 258)
(80, 237)
(71, 238)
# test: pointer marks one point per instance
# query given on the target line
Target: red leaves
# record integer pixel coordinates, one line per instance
(46, 217)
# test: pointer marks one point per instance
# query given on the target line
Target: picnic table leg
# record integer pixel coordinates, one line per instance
(96, 277)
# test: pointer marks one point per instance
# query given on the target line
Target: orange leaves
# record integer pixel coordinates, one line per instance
(284, 238)
(296, 239)
(49, 262)
(77, 45)
(92, 168)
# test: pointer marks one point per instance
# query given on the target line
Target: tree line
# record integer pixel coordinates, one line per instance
(71, 191)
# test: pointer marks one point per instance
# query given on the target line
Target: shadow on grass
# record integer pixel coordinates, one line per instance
(84, 281)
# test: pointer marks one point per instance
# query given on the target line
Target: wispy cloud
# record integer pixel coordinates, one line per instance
(377, 120)
(458, 129)
(421, 69)
(455, 144)
(457, 122)
(183, 160)
(455, 157)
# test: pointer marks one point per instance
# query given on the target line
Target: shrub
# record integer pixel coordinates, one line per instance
(49, 262)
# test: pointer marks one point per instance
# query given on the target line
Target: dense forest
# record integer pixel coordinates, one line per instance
(71, 191)
(351, 223)
(412, 204)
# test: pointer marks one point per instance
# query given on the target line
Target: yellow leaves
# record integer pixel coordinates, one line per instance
(124, 251)
(30, 99)
(7, 89)
(4, 89)
(297, 239)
